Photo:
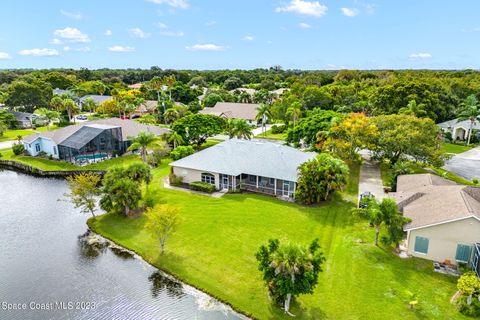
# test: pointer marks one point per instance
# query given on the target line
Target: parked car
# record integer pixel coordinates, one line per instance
(82, 117)
(364, 197)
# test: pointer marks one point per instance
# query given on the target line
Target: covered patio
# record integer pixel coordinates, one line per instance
(259, 184)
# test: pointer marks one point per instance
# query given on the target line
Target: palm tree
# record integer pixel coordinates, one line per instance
(71, 107)
(239, 128)
(144, 141)
(414, 109)
(47, 115)
(171, 115)
(295, 112)
(176, 139)
(470, 111)
(263, 113)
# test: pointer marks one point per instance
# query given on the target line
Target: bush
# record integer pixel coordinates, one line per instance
(202, 186)
(18, 149)
(175, 180)
(475, 181)
(279, 129)
(469, 302)
(181, 152)
(155, 158)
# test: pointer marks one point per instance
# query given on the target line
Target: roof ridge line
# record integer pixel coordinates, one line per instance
(467, 203)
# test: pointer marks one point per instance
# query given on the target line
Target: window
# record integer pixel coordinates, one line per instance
(54, 150)
(252, 179)
(208, 178)
(37, 147)
(421, 245)
(464, 253)
(272, 181)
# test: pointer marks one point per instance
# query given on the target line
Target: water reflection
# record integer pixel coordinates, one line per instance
(162, 283)
(91, 245)
(122, 253)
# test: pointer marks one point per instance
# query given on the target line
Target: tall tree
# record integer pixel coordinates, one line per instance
(264, 113)
(295, 112)
(176, 139)
(239, 128)
(414, 109)
(289, 269)
(470, 111)
(196, 128)
(162, 220)
(47, 115)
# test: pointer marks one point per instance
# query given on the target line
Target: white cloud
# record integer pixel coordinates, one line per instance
(172, 33)
(420, 55)
(4, 56)
(81, 49)
(72, 15)
(45, 52)
(313, 8)
(139, 33)
(304, 25)
(108, 32)
(121, 49)
(71, 35)
(180, 4)
(162, 25)
(350, 12)
(56, 41)
(205, 47)
(247, 38)
(211, 23)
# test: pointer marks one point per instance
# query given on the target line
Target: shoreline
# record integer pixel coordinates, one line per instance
(28, 169)
(170, 274)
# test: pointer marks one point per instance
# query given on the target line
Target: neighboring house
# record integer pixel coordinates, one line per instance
(257, 166)
(98, 99)
(250, 91)
(458, 129)
(60, 91)
(135, 86)
(445, 217)
(150, 106)
(24, 119)
(233, 110)
(97, 139)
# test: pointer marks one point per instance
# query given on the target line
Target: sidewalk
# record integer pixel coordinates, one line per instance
(370, 178)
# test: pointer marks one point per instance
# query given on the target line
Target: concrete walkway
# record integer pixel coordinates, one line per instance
(217, 194)
(465, 164)
(370, 178)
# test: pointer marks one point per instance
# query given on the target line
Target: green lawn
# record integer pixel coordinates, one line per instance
(214, 248)
(53, 165)
(455, 148)
(13, 134)
(272, 136)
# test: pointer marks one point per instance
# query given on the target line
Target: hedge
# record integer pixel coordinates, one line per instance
(202, 186)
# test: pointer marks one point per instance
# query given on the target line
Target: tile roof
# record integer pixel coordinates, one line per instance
(231, 110)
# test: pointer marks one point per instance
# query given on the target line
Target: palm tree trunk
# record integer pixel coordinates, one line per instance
(377, 232)
(127, 210)
(470, 132)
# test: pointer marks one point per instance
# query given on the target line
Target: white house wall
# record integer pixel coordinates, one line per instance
(444, 238)
(191, 175)
(46, 145)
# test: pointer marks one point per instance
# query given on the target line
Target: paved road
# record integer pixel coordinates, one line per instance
(465, 164)
(370, 178)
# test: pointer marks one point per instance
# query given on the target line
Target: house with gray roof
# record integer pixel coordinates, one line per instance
(458, 128)
(234, 110)
(251, 165)
(98, 99)
(24, 119)
(445, 217)
(89, 141)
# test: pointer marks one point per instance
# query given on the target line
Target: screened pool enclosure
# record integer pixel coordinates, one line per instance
(92, 142)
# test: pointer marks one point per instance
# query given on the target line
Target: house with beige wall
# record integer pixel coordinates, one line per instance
(445, 217)
(252, 165)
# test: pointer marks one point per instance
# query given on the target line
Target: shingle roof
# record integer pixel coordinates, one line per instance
(231, 110)
(97, 98)
(428, 199)
(455, 123)
(22, 116)
(255, 157)
(129, 128)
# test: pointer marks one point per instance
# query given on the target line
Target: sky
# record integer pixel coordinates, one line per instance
(246, 34)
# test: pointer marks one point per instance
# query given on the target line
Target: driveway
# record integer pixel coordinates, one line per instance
(258, 130)
(465, 164)
(370, 178)
(6, 144)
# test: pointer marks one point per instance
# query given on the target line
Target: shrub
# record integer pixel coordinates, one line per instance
(279, 129)
(175, 180)
(469, 302)
(181, 152)
(202, 186)
(18, 149)
(475, 181)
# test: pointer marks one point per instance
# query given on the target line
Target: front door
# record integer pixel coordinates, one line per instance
(224, 182)
(286, 188)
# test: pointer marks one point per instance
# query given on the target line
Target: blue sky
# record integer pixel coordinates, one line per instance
(216, 34)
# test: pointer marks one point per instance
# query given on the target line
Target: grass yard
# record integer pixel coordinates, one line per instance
(13, 134)
(455, 148)
(272, 136)
(53, 165)
(214, 248)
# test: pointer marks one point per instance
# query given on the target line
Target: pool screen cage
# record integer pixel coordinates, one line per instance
(92, 142)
